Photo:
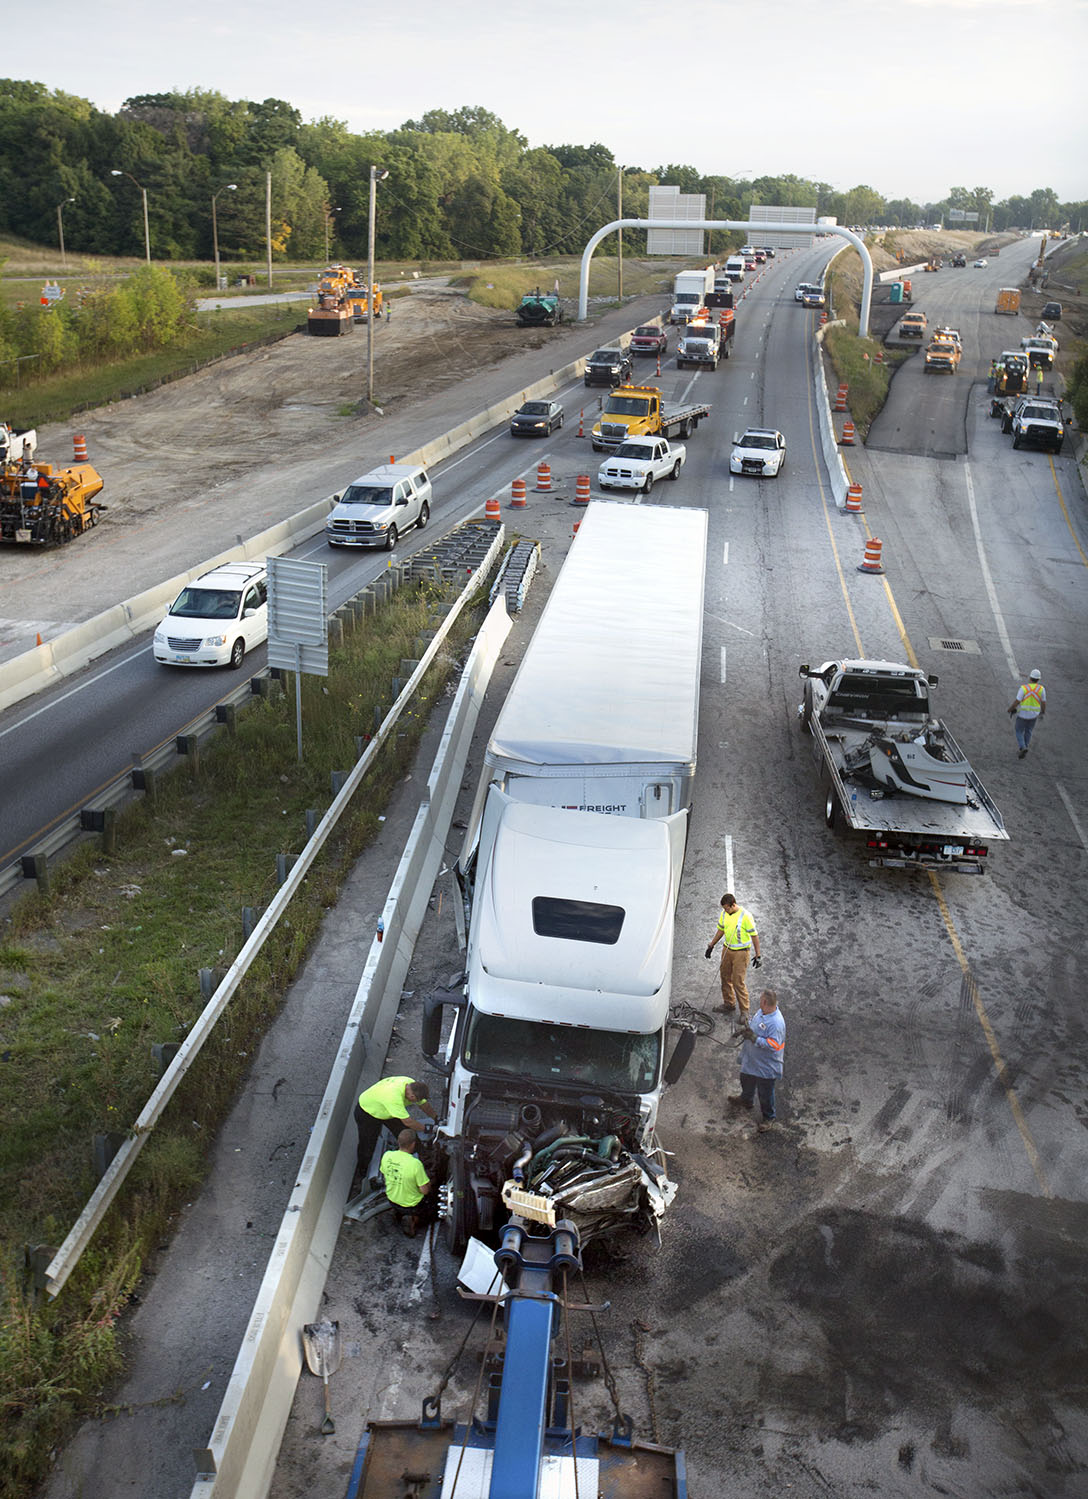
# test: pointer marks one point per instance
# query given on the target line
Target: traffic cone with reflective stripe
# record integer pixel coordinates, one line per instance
(493, 510)
(870, 563)
(581, 490)
(853, 498)
(517, 494)
(848, 437)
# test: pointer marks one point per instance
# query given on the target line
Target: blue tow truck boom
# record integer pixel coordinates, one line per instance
(526, 1446)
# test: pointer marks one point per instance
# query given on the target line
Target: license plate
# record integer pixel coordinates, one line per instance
(950, 850)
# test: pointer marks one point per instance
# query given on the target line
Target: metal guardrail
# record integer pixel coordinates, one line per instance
(67, 1256)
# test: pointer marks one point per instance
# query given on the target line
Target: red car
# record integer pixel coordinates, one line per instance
(649, 340)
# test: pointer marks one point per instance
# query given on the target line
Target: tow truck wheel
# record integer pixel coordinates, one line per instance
(831, 808)
(459, 1223)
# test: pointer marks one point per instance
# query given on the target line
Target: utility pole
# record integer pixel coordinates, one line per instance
(268, 221)
(60, 231)
(116, 172)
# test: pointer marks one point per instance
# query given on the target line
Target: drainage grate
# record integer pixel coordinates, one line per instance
(969, 647)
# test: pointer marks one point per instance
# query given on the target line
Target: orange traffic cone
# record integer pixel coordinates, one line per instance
(517, 495)
(840, 399)
(848, 438)
(544, 477)
(493, 510)
(581, 490)
(871, 561)
(582, 422)
(853, 498)
(79, 447)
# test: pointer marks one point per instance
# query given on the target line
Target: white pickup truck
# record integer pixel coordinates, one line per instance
(640, 461)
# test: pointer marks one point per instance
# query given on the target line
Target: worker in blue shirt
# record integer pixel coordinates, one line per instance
(761, 1058)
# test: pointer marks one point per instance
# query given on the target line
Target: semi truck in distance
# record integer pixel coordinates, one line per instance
(689, 293)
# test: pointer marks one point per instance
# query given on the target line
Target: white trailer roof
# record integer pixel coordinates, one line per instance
(611, 675)
(529, 852)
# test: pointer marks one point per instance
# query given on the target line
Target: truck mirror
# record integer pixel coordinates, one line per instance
(932, 680)
(432, 1024)
(804, 671)
(680, 1057)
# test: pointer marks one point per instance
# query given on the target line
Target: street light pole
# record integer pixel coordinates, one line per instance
(376, 176)
(619, 239)
(143, 194)
(60, 231)
(227, 187)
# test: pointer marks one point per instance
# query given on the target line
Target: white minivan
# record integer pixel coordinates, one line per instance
(377, 508)
(216, 619)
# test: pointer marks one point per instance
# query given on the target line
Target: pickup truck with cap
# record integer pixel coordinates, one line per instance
(639, 462)
(637, 411)
(891, 773)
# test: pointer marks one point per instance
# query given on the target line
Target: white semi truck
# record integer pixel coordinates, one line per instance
(689, 293)
(556, 1056)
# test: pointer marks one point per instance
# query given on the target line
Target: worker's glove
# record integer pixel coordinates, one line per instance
(746, 1033)
(709, 952)
(1011, 712)
(757, 962)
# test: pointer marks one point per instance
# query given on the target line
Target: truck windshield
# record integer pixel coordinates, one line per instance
(367, 494)
(551, 1053)
(627, 406)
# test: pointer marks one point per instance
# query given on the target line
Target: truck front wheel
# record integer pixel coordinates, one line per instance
(649, 484)
(459, 1224)
(676, 470)
(831, 808)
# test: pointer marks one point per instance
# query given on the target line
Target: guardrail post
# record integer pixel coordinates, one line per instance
(379, 714)
(335, 628)
(189, 746)
(279, 674)
(227, 713)
(360, 746)
(104, 1147)
(284, 864)
(312, 820)
(163, 1053)
(396, 688)
(36, 867)
(336, 780)
(37, 1258)
(407, 666)
(143, 777)
(249, 921)
(264, 686)
(109, 830)
(210, 979)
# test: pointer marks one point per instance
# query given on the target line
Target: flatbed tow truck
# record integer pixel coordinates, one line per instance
(893, 774)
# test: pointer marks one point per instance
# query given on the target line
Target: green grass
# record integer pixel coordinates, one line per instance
(106, 965)
(214, 335)
(504, 285)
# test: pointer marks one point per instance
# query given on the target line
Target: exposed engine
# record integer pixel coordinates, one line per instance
(581, 1154)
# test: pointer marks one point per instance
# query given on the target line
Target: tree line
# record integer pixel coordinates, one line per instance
(461, 184)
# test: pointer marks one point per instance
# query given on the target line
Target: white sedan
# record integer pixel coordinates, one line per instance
(980, 263)
(760, 451)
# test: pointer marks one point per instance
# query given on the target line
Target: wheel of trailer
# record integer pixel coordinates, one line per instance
(459, 1223)
(831, 808)
(424, 515)
(649, 484)
(686, 429)
(237, 652)
(675, 470)
(806, 710)
(391, 538)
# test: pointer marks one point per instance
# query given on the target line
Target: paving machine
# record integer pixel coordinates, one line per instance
(42, 504)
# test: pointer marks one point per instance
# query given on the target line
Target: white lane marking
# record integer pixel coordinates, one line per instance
(732, 481)
(423, 1272)
(745, 400)
(752, 376)
(723, 664)
(991, 591)
(64, 696)
(728, 861)
(725, 555)
(1072, 815)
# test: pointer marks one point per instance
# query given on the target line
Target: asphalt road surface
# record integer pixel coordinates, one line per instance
(888, 1295)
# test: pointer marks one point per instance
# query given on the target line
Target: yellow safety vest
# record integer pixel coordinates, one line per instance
(735, 926)
(385, 1099)
(1031, 699)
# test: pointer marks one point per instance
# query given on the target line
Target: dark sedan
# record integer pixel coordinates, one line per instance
(536, 419)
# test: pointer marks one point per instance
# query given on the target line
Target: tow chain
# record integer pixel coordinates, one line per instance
(609, 1378)
(648, 1374)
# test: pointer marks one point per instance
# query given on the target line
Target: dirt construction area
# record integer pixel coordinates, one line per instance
(225, 453)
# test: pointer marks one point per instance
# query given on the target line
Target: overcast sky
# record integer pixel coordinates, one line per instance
(911, 97)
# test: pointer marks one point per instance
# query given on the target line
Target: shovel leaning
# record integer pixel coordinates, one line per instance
(321, 1344)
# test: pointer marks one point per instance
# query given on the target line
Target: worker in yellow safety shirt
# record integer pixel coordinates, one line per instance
(1028, 707)
(385, 1105)
(737, 933)
(406, 1182)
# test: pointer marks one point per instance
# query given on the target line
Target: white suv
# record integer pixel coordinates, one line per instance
(378, 507)
(214, 621)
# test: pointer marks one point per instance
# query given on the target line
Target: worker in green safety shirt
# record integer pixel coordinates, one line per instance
(386, 1104)
(406, 1182)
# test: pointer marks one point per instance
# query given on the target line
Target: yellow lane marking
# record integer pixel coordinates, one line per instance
(1065, 512)
(991, 1039)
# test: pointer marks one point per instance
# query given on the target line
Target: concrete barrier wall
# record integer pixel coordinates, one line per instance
(28, 673)
(828, 440)
(240, 1458)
